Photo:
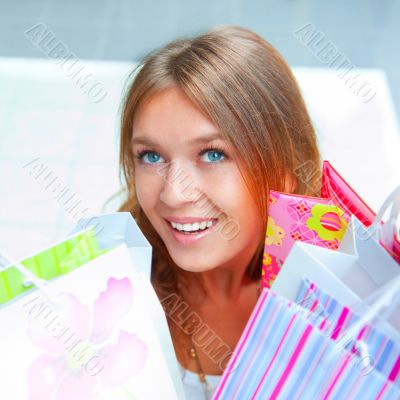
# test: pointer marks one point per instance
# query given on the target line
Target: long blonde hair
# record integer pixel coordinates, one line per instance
(249, 92)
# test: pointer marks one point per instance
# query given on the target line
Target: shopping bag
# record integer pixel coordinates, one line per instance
(55, 261)
(360, 267)
(88, 239)
(93, 333)
(281, 355)
(292, 218)
(335, 187)
(115, 228)
(324, 221)
(388, 233)
(381, 350)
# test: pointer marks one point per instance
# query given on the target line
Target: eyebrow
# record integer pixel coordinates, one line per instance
(203, 139)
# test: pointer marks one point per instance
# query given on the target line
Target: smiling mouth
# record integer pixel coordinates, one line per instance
(191, 229)
(191, 232)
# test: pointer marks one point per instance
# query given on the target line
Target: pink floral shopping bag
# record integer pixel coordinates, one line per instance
(292, 217)
(320, 221)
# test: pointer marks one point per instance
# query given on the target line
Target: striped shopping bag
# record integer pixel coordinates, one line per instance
(282, 355)
(334, 318)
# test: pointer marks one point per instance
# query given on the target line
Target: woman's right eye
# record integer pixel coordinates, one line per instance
(153, 157)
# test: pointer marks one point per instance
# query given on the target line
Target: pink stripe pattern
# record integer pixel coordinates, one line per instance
(281, 354)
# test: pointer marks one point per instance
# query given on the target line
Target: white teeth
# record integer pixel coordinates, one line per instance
(203, 224)
(192, 227)
(188, 227)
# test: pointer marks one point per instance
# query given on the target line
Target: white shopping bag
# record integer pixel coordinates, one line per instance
(119, 227)
(97, 332)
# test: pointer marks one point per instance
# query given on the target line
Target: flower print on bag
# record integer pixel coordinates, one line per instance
(327, 221)
(90, 355)
(275, 233)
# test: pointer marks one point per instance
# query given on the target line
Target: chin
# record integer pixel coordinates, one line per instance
(191, 267)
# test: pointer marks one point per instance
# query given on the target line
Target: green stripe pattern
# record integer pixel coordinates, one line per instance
(51, 263)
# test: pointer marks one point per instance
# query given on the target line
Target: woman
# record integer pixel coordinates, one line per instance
(209, 125)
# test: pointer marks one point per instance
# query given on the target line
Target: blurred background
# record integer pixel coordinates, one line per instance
(63, 65)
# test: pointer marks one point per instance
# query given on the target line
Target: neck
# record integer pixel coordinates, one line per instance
(223, 286)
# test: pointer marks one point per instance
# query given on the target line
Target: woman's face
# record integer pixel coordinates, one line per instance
(184, 174)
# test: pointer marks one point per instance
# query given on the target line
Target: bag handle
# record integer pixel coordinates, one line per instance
(387, 231)
(393, 198)
(384, 301)
(381, 305)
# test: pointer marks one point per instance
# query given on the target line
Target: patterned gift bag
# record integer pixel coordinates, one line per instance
(291, 218)
(322, 221)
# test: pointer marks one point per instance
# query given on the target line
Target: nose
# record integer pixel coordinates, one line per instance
(179, 185)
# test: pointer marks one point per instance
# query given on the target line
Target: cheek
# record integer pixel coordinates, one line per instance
(147, 190)
(244, 207)
(234, 195)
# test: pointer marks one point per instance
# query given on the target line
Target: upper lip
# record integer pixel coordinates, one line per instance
(188, 220)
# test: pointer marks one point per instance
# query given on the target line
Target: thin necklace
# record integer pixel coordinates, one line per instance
(193, 355)
(200, 373)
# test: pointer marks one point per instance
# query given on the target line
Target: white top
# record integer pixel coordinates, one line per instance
(193, 388)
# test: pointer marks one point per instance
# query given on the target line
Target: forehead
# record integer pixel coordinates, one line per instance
(172, 116)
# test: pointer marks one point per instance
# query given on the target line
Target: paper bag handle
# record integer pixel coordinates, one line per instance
(393, 198)
(384, 301)
(387, 297)
(387, 231)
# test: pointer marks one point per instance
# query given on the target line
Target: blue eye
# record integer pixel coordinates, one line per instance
(214, 154)
(153, 156)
